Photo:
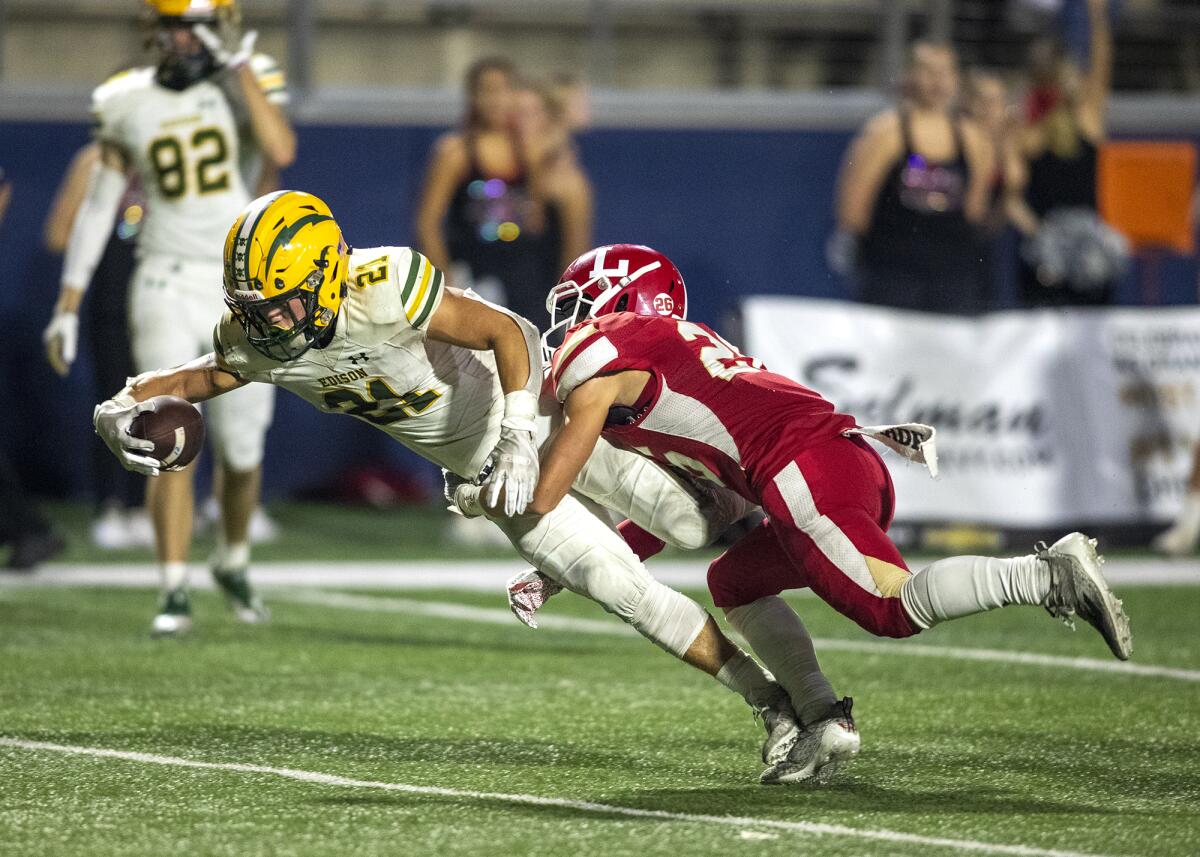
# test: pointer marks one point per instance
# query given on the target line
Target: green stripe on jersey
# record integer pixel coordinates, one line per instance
(435, 289)
(413, 268)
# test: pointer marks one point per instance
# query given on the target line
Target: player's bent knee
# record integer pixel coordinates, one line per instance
(887, 618)
(617, 586)
(242, 455)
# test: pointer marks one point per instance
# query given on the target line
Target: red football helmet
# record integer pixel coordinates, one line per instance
(615, 278)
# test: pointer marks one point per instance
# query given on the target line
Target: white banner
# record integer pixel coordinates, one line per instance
(1044, 417)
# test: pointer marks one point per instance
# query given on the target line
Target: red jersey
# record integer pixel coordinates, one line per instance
(707, 408)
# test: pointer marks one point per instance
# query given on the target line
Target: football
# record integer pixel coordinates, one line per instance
(176, 429)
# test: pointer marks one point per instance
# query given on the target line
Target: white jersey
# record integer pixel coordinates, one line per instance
(442, 401)
(192, 152)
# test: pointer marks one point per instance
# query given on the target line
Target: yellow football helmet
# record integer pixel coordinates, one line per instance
(194, 10)
(286, 267)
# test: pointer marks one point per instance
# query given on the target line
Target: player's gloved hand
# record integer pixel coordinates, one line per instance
(461, 494)
(61, 338)
(112, 419)
(512, 468)
(527, 592)
(222, 56)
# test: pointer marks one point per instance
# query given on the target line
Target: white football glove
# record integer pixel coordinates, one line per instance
(527, 592)
(61, 337)
(222, 56)
(112, 419)
(513, 465)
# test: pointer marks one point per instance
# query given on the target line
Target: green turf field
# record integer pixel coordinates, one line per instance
(1025, 758)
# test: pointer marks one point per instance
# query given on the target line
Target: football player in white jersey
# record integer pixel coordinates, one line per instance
(377, 334)
(198, 127)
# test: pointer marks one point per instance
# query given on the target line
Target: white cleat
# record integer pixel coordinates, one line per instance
(822, 748)
(782, 729)
(1078, 588)
(245, 603)
(1179, 540)
(174, 617)
(110, 530)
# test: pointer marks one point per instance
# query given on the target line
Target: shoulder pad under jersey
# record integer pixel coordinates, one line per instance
(396, 285)
(584, 351)
(117, 95)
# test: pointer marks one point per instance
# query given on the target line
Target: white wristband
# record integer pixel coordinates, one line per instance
(520, 411)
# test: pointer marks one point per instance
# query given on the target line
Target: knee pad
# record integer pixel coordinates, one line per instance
(686, 516)
(575, 548)
(237, 424)
(668, 618)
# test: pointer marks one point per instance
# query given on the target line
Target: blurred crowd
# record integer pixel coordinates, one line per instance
(932, 190)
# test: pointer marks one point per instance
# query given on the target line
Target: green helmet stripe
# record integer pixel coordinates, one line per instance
(289, 232)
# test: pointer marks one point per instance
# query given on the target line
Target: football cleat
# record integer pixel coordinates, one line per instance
(779, 719)
(1179, 540)
(242, 600)
(822, 748)
(1078, 588)
(174, 617)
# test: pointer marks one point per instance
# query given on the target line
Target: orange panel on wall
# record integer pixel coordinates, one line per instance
(1145, 192)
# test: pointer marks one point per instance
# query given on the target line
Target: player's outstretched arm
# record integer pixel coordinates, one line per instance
(197, 381)
(511, 471)
(584, 412)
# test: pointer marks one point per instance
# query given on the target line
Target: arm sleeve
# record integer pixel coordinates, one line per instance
(93, 223)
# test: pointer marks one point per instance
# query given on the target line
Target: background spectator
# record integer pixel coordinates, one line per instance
(1070, 256)
(912, 186)
(562, 220)
(478, 219)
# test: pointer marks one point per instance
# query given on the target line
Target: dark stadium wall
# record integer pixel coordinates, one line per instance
(741, 212)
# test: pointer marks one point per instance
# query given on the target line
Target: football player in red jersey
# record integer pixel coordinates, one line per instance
(631, 367)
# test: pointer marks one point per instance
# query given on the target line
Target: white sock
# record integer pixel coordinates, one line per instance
(777, 635)
(173, 575)
(745, 677)
(963, 585)
(232, 557)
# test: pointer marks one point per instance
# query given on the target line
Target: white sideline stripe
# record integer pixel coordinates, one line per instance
(563, 803)
(480, 574)
(497, 616)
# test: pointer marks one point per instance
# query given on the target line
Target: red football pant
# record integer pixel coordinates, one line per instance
(827, 511)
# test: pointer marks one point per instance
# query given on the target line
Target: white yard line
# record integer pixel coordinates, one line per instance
(318, 778)
(480, 574)
(500, 616)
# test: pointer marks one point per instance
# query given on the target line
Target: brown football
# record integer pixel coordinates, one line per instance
(175, 427)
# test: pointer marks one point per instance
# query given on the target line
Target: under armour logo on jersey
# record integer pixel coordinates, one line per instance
(359, 357)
